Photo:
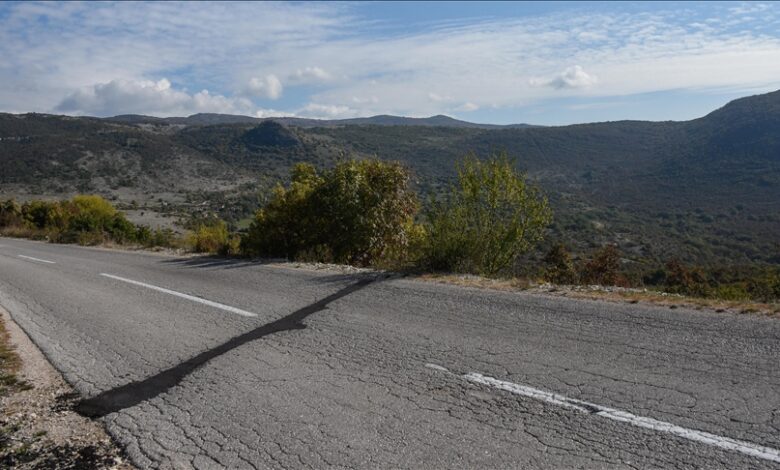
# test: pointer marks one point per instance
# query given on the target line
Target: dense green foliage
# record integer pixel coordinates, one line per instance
(485, 222)
(84, 219)
(213, 237)
(357, 212)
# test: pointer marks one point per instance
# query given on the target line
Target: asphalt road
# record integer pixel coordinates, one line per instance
(208, 363)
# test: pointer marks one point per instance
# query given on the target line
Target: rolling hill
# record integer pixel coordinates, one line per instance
(706, 190)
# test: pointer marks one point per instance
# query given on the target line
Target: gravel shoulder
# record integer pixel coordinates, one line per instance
(38, 428)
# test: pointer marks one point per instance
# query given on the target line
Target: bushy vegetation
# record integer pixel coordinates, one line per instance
(84, 219)
(559, 266)
(606, 266)
(365, 213)
(603, 268)
(358, 212)
(492, 216)
(213, 237)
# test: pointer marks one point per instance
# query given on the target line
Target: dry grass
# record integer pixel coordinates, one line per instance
(9, 364)
(610, 294)
(678, 301)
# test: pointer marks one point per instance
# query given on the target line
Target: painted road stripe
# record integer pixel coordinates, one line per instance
(36, 259)
(210, 303)
(747, 448)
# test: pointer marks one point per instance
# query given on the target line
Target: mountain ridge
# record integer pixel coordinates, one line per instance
(206, 119)
(700, 189)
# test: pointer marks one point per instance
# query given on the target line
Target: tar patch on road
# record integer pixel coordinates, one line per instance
(134, 393)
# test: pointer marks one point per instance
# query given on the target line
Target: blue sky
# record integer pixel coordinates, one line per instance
(541, 63)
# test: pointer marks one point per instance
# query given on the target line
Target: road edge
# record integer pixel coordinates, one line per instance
(42, 416)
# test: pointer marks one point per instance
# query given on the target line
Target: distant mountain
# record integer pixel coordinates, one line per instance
(703, 190)
(210, 119)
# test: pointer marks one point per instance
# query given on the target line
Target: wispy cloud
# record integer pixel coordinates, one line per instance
(327, 60)
(571, 77)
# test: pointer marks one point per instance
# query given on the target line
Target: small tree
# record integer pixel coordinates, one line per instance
(559, 267)
(358, 212)
(490, 218)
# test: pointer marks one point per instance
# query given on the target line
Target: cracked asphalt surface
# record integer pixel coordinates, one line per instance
(332, 373)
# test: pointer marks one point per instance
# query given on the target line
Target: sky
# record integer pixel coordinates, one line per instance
(539, 63)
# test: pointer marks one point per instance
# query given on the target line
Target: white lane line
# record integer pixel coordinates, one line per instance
(36, 259)
(747, 448)
(210, 303)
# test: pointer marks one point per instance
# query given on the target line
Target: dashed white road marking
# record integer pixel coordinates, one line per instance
(193, 298)
(747, 448)
(36, 259)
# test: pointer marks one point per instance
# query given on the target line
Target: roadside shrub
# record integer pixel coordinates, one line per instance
(209, 238)
(86, 220)
(559, 267)
(487, 220)
(358, 212)
(164, 237)
(10, 213)
(160, 237)
(143, 235)
(92, 214)
(732, 292)
(603, 268)
(765, 287)
(681, 279)
(38, 214)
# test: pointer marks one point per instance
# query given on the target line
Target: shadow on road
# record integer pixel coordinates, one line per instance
(213, 262)
(133, 393)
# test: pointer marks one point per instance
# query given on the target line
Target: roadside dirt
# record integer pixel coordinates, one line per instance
(38, 427)
(607, 293)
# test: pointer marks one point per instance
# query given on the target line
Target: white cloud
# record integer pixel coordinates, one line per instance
(438, 98)
(361, 68)
(266, 87)
(358, 100)
(571, 77)
(309, 75)
(749, 7)
(266, 113)
(327, 111)
(468, 107)
(147, 97)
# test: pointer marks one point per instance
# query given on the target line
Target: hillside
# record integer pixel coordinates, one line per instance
(706, 190)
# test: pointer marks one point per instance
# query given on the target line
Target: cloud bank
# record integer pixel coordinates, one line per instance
(330, 60)
(147, 97)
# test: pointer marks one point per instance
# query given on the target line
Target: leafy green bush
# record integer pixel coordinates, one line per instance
(39, 214)
(490, 218)
(210, 238)
(89, 220)
(85, 219)
(358, 212)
